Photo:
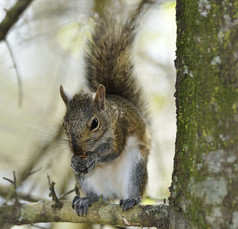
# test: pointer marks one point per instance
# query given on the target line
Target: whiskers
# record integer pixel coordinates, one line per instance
(62, 141)
(61, 144)
(54, 138)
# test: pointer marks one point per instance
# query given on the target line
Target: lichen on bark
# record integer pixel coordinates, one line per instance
(204, 183)
(99, 213)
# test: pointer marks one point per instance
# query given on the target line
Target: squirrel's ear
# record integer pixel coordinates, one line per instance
(99, 99)
(65, 96)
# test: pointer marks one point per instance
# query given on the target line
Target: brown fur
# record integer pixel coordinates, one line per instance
(109, 59)
(119, 111)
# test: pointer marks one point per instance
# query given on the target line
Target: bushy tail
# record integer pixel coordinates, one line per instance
(108, 59)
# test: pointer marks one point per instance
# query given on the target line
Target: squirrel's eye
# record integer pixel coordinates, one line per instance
(94, 124)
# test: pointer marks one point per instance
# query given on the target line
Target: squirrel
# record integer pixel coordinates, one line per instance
(108, 127)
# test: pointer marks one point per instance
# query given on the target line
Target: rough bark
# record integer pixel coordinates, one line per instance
(205, 177)
(204, 183)
(99, 213)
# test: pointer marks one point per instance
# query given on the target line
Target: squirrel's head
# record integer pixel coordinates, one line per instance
(86, 120)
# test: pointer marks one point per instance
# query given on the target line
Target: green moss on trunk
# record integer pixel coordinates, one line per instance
(206, 165)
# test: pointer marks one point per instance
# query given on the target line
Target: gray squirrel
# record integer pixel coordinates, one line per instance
(108, 128)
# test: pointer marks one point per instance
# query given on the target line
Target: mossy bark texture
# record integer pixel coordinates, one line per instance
(205, 178)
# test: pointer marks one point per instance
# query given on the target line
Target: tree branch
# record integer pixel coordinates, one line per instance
(99, 213)
(12, 17)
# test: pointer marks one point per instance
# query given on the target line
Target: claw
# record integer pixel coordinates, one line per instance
(81, 204)
(74, 200)
(129, 203)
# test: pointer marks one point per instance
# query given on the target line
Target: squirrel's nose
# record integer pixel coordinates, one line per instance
(76, 147)
(77, 150)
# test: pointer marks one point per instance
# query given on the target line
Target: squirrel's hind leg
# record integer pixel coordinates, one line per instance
(137, 186)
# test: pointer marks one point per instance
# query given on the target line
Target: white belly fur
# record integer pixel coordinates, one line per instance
(114, 179)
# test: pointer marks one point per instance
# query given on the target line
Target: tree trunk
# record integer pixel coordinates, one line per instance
(205, 178)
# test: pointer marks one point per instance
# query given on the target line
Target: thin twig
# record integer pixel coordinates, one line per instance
(58, 204)
(39, 153)
(67, 193)
(34, 171)
(75, 189)
(19, 81)
(13, 190)
(7, 179)
(141, 9)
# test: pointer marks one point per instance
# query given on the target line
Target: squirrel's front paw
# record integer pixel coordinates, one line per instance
(129, 203)
(84, 165)
(81, 204)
